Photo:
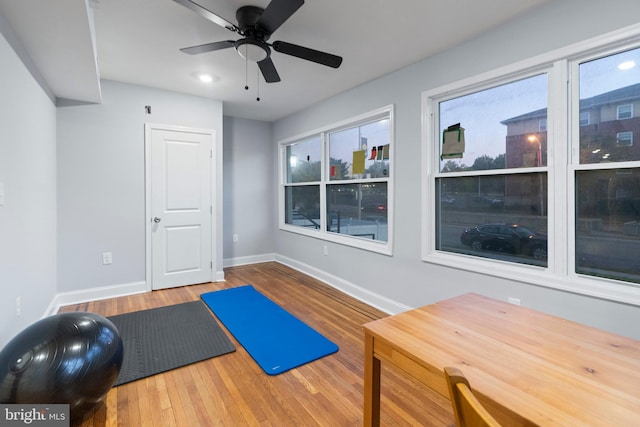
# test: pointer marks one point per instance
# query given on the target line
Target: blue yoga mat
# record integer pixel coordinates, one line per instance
(277, 340)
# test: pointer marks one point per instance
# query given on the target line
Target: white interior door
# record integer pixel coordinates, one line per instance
(181, 209)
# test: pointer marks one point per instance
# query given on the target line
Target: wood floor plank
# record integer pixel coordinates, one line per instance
(232, 390)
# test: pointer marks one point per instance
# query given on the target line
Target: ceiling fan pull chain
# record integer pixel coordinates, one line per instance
(258, 83)
(246, 69)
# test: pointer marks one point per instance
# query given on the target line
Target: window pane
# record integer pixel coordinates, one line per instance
(610, 94)
(303, 161)
(360, 152)
(358, 210)
(504, 127)
(608, 223)
(302, 206)
(500, 217)
(625, 111)
(625, 138)
(584, 118)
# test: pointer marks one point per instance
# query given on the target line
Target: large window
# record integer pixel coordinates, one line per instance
(607, 176)
(492, 196)
(337, 182)
(532, 179)
(303, 173)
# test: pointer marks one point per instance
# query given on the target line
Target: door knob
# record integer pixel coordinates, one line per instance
(157, 220)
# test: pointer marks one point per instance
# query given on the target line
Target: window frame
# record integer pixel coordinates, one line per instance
(588, 118)
(430, 101)
(618, 111)
(385, 248)
(563, 161)
(620, 138)
(542, 125)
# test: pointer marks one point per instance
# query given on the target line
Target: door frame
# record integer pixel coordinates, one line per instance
(217, 274)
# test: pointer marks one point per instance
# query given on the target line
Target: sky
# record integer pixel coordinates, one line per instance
(343, 143)
(480, 113)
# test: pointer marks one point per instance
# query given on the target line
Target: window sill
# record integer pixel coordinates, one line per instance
(384, 248)
(605, 289)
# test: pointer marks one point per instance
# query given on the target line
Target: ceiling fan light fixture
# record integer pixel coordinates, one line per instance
(253, 50)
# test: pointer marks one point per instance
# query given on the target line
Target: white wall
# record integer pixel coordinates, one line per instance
(101, 181)
(28, 216)
(249, 208)
(404, 279)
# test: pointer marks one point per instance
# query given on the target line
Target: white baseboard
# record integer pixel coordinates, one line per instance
(375, 300)
(255, 259)
(378, 301)
(104, 292)
(94, 294)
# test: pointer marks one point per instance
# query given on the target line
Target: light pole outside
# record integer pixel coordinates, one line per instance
(534, 139)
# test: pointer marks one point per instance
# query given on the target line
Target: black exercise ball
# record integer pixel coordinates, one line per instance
(69, 358)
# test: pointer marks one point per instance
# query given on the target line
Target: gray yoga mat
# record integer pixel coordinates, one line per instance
(165, 338)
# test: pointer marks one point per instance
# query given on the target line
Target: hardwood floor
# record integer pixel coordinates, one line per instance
(232, 390)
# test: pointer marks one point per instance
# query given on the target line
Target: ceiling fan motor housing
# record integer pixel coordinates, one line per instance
(247, 17)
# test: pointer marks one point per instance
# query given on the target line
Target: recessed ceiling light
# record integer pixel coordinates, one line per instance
(627, 65)
(206, 78)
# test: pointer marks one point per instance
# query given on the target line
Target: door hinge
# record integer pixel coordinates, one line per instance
(211, 265)
(211, 154)
(211, 209)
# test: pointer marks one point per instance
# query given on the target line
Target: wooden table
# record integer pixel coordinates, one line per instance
(528, 368)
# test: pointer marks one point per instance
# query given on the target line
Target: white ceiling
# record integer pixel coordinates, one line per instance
(138, 41)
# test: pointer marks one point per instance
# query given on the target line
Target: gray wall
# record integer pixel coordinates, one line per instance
(101, 180)
(28, 217)
(65, 206)
(249, 209)
(404, 278)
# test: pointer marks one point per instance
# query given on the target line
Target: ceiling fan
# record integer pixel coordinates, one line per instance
(256, 25)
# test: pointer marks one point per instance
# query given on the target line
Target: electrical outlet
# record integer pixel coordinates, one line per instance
(18, 307)
(107, 258)
(326, 250)
(235, 238)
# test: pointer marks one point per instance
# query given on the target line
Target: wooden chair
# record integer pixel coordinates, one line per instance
(467, 409)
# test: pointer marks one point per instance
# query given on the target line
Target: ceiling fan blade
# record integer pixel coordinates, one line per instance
(208, 47)
(207, 14)
(313, 55)
(269, 71)
(276, 13)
